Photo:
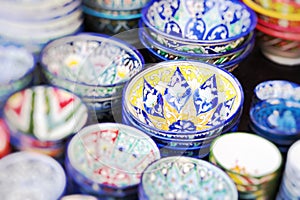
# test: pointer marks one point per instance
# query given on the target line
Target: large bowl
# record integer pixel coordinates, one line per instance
(114, 167)
(208, 21)
(185, 178)
(41, 118)
(90, 65)
(27, 175)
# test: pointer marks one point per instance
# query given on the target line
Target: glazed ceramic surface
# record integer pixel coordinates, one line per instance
(183, 97)
(117, 4)
(46, 113)
(277, 116)
(286, 6)
(186, 178)
(120, 159)
(78, 197)
(200, 21)
(247, 155)
(91, 63)
(33, 176)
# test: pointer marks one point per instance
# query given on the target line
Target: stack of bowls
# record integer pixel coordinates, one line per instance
(107, 159)
(183, 105)
(28, 175)
(32, 23)
(185, 178)
(41, 118)
(93, 66)
(290, 184)
(251, 161)
(113, 17)
(212, 31)
(17, 71)
(278, 24)
(275, 112)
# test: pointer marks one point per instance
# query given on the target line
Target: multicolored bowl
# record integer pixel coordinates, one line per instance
(42, 117)
(112, 169)
(28, 175)
(185, 178)
(251, 161)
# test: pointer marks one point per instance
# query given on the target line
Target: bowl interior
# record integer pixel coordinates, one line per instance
(112, 154)
(186, 178)
(183, 96)
(47, 113)
(277, 89)
(95, 60)
(16, 62)
(246, 154)
(208, 20)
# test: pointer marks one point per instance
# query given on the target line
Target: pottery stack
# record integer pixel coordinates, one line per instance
(279, 29)
(211, 31)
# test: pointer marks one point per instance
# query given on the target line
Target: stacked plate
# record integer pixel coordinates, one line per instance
(183, 105)
(253, 163)
(113, 17)
(290, 185)
(34, 23)
(278, 24)
(275, 112)
(212, 31)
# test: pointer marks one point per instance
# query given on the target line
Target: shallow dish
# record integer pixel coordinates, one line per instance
(185, 178)
(28, 175)
(208, 21)
(90, 65)
(113, 168)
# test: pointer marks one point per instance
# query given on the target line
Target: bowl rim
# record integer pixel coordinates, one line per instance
(212, 156)
(103, 6)
(277, 27)
(99, 126)
(257, 8)
(171, 63)
(206, 164)
(279, 34)
(86, 36)
(252, 17)
(273, 131)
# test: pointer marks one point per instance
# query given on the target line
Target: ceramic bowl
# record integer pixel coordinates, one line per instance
(279, 24)
(246, 165)
(90, 65)
(114, 168)
(208, 21)
(272, 13)
(21, 65)
(281, 6)
(40, 118)
(4, 139)
(185, 178)
(28, 175)
(117, 5)
(278, 89)
(183, 97)
(279, 34)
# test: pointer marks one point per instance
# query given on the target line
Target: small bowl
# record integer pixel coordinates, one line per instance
(112, 169)
(116, 5)
(185, 178)
(199, 22)
(249, 160)
(21, 65)
(41, 118)
(28, 175)
(271, 13)
(90, 65)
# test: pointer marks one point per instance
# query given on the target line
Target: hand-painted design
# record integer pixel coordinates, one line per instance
(46, 112)
(112, 155)
(182, 126)
(186, 178)
(195, 29)
(142, 116)
(221, 113)
(285, 121)
(218, 32)
(206, 97)
(178, 91)
(153, 100)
